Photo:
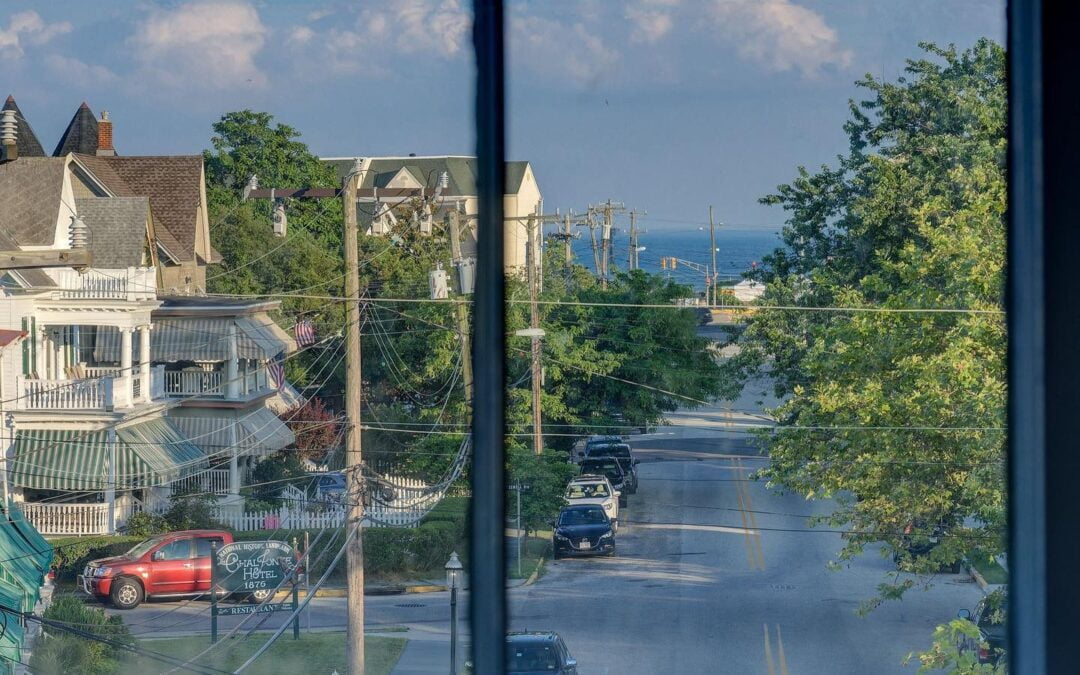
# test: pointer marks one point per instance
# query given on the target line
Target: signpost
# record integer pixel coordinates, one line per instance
(247, 567)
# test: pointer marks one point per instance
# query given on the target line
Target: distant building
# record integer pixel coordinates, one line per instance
(522, 198)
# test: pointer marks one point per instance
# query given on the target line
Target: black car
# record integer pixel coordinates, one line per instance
(538, 653)
(612, 469)
(597, 442)
(989, 616)
(582, 529)
(621, 452)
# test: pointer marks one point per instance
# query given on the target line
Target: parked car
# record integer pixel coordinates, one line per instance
(331, 487)
(594, 489)
(621, 452)
(989, 616)
(610, 468)
(172, 565)
(538, 653)
(583, 529)
(595, 442)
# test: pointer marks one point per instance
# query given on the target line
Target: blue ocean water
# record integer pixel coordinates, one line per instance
(737, 249)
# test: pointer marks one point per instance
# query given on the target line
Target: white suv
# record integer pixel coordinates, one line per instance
(590, 489)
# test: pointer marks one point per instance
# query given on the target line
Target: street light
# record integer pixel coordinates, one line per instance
(454, 574)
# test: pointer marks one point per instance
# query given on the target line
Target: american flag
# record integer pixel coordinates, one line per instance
(276, 367)
(305, 332)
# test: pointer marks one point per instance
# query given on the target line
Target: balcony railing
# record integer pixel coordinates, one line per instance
(104, 389)
(194, 383)
(215, 383)
(132, 283)
(212, 481)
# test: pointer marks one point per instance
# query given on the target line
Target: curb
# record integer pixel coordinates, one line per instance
(368, 590)
(978, 578)
(536, 573)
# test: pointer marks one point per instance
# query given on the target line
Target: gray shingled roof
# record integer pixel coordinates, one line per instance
(30, 277)
(117, 229)
(27, 142)
(81, 134)
(173, 184)
(30, 189)
(460, 170)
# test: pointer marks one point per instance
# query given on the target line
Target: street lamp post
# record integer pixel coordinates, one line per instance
(454, 572)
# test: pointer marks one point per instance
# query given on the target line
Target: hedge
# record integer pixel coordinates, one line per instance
(387, 550)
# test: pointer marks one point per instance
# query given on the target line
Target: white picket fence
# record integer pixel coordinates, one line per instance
(331, 516)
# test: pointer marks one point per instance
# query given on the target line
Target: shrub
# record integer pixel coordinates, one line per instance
(191, 511)
(145, 524)
(62, 653)
(72, 554)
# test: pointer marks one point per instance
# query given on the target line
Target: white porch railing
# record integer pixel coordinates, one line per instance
(194, 383)
(103, 393)
(333, 516)
(211, 481)
(132, 283)
(254, 381)
(53, 519)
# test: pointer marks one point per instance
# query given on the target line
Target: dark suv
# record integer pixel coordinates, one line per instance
(538, 653)
(612, 469)
(621, 452)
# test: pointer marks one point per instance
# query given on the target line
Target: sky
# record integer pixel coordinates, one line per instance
(669, 106)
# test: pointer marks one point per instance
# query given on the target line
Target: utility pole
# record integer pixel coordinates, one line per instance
(462, 312)
(712, 251)
(590, 221)
(355, 552)
(534, 324)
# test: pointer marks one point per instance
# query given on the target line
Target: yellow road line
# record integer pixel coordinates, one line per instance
(768, 651)
(751, 563)
(753, 518)
(780, 650)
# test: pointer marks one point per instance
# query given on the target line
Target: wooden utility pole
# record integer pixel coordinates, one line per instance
(534, 323)
(354, 557)
(567, 252)
(712, 251)
(590, 220)
(462, 313)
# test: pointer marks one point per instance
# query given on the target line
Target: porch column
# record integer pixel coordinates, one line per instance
(7, 446)
(234, 468)
(110, 487)
(232, 366)
(144, 362)
(42, 361)
(125, 365)
(56, 349)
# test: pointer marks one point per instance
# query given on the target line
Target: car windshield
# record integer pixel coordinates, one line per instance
(531, 658)
(592, 516)
(140, 549)
(586, 491)
(620, 451)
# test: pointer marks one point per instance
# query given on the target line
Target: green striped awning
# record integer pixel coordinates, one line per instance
(42, 550)
(147, 454)
(257, 337)
(257, 433)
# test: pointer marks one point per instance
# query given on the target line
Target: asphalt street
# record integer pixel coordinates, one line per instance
(714, 574)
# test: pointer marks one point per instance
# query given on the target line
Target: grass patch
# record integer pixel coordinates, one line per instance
(312, 653)
(533, 549)
(989, 568)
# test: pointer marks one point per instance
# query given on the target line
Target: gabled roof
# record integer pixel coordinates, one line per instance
(174, 185)
(461, 172)
(27, 142)
(81, 134)
(30, 189)
(118, 233)
(9, 336)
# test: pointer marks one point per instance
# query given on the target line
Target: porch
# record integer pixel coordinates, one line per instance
(103, 388)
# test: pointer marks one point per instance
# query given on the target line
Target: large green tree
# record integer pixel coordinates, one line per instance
(897, 415)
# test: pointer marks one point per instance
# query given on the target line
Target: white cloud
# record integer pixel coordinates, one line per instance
(650, 25)
(780, 35)
(301, 35)
(76, 71)
(28, 28)
(440, 26)
(210, 43)
(558, 50)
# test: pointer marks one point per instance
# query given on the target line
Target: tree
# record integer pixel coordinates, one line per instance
(317, 429)
(897, 416)
(545, 477)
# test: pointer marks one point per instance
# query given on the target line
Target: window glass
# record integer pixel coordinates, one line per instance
(175, 550)
(204, 546)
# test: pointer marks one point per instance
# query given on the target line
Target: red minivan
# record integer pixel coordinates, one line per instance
(176, 564)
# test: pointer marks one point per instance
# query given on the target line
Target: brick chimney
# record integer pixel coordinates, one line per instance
(105, 143)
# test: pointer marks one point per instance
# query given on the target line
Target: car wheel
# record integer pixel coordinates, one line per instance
(622, 501)
(556, 555)
(259, 596)
(126, 593)
(611, 553)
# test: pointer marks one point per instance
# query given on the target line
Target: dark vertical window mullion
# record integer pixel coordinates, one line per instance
(1027, 440)
(487, 613)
